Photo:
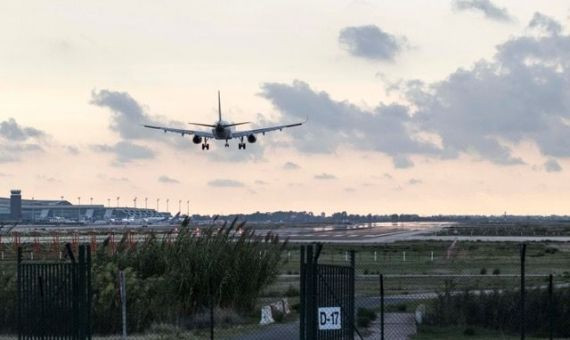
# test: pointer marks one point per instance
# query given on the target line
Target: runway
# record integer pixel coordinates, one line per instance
(369, 233)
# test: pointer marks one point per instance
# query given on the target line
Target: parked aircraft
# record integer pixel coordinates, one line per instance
(222, 130)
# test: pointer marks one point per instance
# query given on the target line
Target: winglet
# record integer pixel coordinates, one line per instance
(219, 107)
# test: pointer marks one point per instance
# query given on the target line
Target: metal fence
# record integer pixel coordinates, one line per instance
(391, 305)
(458, 306)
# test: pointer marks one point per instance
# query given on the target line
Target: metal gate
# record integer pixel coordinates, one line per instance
(54, 298)
(327, 297)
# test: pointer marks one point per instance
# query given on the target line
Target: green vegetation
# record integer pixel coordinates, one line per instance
(507, 229)
(173, 281)
(364, 317)
(500, 310)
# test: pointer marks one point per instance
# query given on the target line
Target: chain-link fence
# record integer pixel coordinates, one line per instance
(429, 291)
(462, 306)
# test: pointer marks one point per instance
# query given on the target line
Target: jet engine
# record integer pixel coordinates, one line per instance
(251, 138)
(197, 139)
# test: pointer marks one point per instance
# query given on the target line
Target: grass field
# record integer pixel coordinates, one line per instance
(422, 265)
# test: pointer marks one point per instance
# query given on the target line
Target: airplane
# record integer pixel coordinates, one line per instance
(221, 130)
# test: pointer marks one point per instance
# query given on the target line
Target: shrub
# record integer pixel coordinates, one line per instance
(483, 271)
(364, 317)
(291, 291)
(496, 271)
(173, 279)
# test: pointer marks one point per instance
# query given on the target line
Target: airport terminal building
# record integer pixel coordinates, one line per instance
(16, 209)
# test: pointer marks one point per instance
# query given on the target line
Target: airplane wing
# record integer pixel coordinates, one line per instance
(204, 134)
(238, 134)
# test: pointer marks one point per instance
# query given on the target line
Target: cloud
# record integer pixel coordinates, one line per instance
(125, 151)
(12, 131)
(128, 114)
(519, 95)
(129, 117)
(349, 189)
(17, 140)
(72, 150)
(113, 179)
(484, 111)
(225, 183)
(260, 182)
(370, 42)
(168, 180)
(290, 166)
(13, 151)
(552, 166)
(384, 128)
(489, 10)
(48, 179)
(414, 181)
(545, 23)
(325, 176)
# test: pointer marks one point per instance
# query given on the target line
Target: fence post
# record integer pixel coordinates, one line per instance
(382, 306)
(551, 305)
(302, 304)
(123, 295)
(19, 283)
(522, 316)
(211, 307)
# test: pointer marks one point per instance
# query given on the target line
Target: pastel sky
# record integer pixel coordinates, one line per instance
(416, 106)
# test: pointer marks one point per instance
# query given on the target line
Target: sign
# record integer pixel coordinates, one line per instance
(329, 318)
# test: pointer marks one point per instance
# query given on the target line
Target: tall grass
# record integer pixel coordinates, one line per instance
(500, 310)
(173, 281)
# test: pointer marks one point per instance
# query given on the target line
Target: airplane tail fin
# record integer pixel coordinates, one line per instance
(219, 107)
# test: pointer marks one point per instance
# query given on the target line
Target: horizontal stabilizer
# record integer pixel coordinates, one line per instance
(200, 124)
(235, 124)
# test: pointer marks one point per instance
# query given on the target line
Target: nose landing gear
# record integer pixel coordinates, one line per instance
(205, 146)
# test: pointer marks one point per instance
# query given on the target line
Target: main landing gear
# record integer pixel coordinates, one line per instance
(205, 145)
(241, 145)
(227, 145)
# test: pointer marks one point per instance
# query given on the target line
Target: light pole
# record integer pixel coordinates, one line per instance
(78, 208)
(33, 211)
(108, 202)
(157, 206)
(118, 198)
(167, 200)
(188, 208)
(61, 209)
(90, 200)
(179, 204)
(145, 200)
(135, 202)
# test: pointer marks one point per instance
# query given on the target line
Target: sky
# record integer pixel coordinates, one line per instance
(417, 106)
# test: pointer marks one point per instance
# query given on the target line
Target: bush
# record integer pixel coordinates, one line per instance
(364, 317)
(292, 291)
(496, 271)
(168, 280)
(483, 271)
(499, 309)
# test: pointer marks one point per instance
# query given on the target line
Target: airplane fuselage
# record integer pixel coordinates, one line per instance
(221, 132)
